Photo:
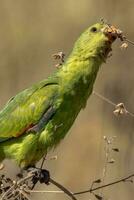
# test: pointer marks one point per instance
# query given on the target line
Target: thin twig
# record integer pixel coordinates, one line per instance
(7, 192)
(104, 98)
(45, 191)
(129, 41)
(107, 149)
(24, 195)
(43, 160)
(110, 102)
(103, 186)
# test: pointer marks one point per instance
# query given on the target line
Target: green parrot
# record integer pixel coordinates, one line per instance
(38, 118)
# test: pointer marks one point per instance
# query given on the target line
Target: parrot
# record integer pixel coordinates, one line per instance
(35, 120)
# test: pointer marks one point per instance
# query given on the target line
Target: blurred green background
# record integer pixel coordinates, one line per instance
(30, 32)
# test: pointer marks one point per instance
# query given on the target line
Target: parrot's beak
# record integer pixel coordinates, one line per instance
(112, 37)
(111, 32)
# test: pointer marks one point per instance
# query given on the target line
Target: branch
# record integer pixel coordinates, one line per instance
(103, 186)
(18, 186)
(65, 190)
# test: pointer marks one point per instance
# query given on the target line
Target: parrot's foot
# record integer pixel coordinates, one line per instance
(41, 175)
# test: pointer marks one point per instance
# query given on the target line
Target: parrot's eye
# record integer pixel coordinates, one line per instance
(93, 29)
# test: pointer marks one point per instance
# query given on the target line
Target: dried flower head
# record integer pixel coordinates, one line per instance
(120, 109)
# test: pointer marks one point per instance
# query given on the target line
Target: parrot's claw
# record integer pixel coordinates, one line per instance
(44, 176)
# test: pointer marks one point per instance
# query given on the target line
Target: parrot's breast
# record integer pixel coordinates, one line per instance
(69, 107)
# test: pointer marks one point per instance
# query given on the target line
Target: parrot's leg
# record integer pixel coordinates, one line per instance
(43, 121)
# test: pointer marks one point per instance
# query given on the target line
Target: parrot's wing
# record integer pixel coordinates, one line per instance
(26, 109)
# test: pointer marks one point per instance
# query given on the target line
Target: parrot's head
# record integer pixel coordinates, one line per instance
(96, 41)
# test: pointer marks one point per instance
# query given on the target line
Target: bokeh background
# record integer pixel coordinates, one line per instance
(30, 32)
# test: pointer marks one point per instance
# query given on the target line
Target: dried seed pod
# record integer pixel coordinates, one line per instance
(115, 149)
(124, 46)
(98, 196)
(111, 161)
(97, 181)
